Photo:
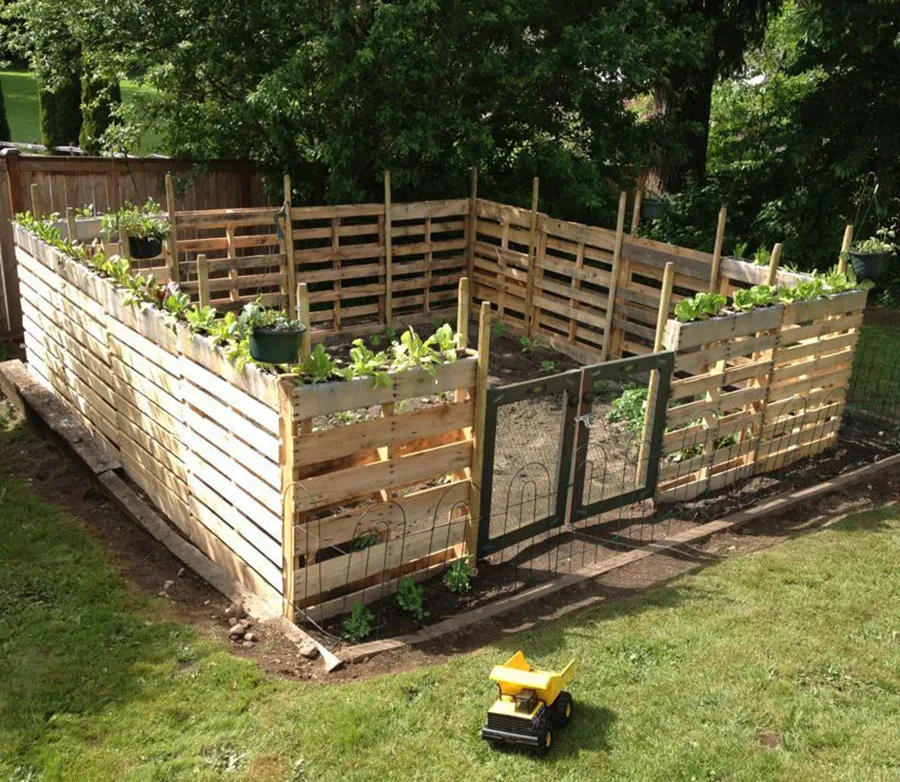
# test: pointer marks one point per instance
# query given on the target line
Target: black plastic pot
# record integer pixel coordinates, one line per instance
(276, 346)
(144, 246)
(654, 209)
(870, 266)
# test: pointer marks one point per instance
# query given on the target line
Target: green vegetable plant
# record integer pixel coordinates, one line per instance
(411, 598)
(320, 367)
(883, 242)
(366, 363)
(528, 344)
(757, 296)
(499, 327)
(358, 626)
(548, 367)
(629, 408)
(256, 316)
(457, 578)
(702, 306)
(200, 320)
(143, 222)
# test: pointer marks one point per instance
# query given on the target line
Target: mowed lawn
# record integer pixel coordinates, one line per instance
(20, 95)
(784, 665)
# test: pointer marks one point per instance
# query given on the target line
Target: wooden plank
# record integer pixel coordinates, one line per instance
(311, 401)
(434, 504)
(355, 482)
(327, 444)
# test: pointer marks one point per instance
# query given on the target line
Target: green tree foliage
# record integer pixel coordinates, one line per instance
(722, 33)
(794, 136)
(59, 99)
(337, 92)
(99, 96)
(5, 133)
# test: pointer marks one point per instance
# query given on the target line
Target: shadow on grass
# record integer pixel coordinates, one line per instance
(589, 730)
(73, 640)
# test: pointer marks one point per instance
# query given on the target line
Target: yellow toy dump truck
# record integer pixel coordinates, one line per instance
(531, 704)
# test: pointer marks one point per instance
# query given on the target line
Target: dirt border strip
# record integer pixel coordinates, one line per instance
(778, 505)
(30, 397)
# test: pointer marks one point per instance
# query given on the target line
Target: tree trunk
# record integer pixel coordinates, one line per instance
(685, 102)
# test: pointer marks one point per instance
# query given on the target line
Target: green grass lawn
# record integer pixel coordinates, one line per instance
(800, 643)
(20, 94)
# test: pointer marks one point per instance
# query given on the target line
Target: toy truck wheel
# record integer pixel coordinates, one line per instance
(562, 709)
(545, 740)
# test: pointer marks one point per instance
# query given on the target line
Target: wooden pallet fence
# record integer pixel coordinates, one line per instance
(756, 391)
(382, 483)
(571, 277)
(200, 438)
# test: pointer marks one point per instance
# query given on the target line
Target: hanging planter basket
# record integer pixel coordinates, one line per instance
(654, 209)
(870, 266)
(141, 247)
(276, 346)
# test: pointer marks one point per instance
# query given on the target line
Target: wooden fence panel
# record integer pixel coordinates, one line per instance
(106, 183)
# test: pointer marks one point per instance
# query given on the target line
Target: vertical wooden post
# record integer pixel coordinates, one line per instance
(717, 251)
(71, 225)
(532, 252)
(290, 268)
(124, 246)
(481, 387)
(636, 211)
(772, 276)
(462, 314)
(473, 228)
(662, 318)
(302, 315)
(203, 280)
(286, 458)
(15, 180)
(614, 275)
(845, 248)
(172, 242)
(36, 202)
(388, 254)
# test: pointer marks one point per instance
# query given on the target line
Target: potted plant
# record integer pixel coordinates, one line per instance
(872, 256)
(146, 227)
(654, 207)
(274, 337)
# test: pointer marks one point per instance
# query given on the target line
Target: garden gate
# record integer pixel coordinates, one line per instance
(551, 456)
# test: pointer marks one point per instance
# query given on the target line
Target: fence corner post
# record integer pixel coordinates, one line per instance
(388, 254)
(662, 318)
(303, 316)
(36, 202)
(202, 280)
(70, 225)
(289, 267)
(636, 211)
(172, 242)
(846, 244)
(717, 251)
(286, 458)
(481, 388)
(473, 228)
(532, 253)
(462, 314)
(614, 274)
(772, 276)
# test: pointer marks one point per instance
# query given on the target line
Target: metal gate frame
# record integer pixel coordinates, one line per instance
(577, 386)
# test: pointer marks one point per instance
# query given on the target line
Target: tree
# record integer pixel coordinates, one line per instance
(99, 96)
(5, 133)
(724, 31)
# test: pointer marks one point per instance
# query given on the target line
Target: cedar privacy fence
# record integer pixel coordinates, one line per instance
(106, 182)
(262, 474)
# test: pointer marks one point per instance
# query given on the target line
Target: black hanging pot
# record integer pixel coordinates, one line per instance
(144, 246)
(870, 266)
(276, 346)
(654, 209)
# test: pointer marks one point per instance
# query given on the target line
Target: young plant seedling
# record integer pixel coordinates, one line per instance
(457, 578)
(358, 626)
(411, 598)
